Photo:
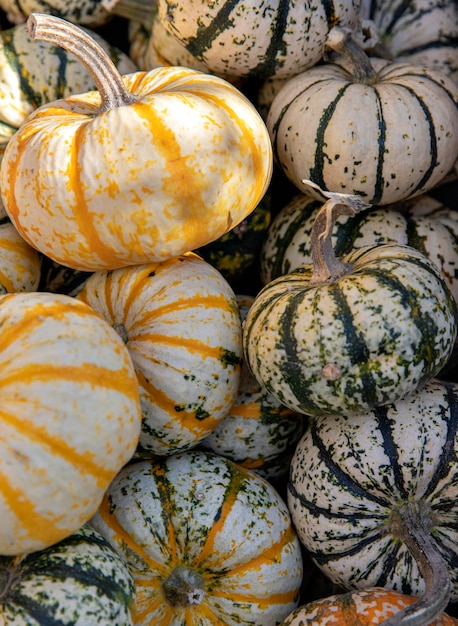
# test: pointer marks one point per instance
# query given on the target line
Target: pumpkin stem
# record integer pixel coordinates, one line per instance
(137, 10)
(341, 40)
(74, 39)
(184, 587)
(326, 266)
(412, 522)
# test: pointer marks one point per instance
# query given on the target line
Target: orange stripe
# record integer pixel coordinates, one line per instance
(271, 599)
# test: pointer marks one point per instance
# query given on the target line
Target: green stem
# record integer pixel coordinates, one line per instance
(341, 40)
(108, 80)
(411, 523)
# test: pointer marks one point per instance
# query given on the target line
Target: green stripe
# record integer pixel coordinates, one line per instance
(277, 45)
(13, 59)
(391, 449)
(379, 186)
(206, 35)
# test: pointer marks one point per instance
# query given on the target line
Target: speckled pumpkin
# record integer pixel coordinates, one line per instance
(148, 167)
(80, 581)
(365, 607)
(382, 130)
(256, 40)
(180, 322)
(20, 265)
(89, 13)
(70, 416)
(207, 542)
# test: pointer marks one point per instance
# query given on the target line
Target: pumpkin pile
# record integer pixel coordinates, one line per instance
(228, 313)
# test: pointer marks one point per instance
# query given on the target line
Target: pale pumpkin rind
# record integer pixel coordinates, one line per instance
(186, 162)
(70, 416)
(20, 265)
(181, 324)
(386, 141)
(366, 339)
(80, 581)
(367, 606)
(89, 13)
(349, 472)
(221, 525)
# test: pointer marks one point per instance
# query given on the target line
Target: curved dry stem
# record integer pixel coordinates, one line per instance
(74, 39)
(412, 523)
(136, 10)
(341, 40)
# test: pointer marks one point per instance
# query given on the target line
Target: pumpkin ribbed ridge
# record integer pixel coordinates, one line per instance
(349, 472)
(200, 511)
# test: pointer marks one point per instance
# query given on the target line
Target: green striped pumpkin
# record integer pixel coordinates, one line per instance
(421, 32)
(256, 41)
(20, 265)
(78, 581)
(365, 339)
(386, 134)
(180, 322)
(89, 13)
(258, 433)
(351, 474)
(207, 542)
(422, 222)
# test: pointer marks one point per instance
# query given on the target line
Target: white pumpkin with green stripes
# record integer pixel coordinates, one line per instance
(381, 130)
(207, 542)
(89, 13)
(423, 31)
(80, 581)
(253, 40)
(373, 495)
(343, 335)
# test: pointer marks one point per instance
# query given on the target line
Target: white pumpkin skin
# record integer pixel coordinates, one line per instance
(250, 40)
(79, 581)
(20, 265)
(387, 141)
(228, 527)
(181, 324)
(89, 13)
(70, 416)
(350, 471)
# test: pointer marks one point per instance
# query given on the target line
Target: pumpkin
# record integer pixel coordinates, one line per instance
(207, 541)
(341, 335)
(421, 32)
(256, 41)
(33, 73)
(238, 250)
(373, 496)
(90, 13)
(70, 416)
(148, 167)
(368, 606)
(258, 432)
(423, 222)
(79, 581)
(180, 323)
(382, 130)
(20, 266)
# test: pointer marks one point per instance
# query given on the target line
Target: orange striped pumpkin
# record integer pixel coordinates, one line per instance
(207, 542)
(180, 322)
(20, 265)
(147, 167)
(365, 607)
(69, 414)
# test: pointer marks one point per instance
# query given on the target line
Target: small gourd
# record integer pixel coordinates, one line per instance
(344, 334)
(207, 542)
(70, 417)
(20, 264)
(373, 498)
(148, 167)
(180, 322)
(80, 581)
(382, 130)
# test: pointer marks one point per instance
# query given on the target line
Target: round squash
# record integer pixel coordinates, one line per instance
(207, 541)
(70, 416)
(80, 581)
(373, 496)
(256, 41)
(148, 167)
(258, 432)
(382, 130)
(20, 265)
(180, 323)
(342, 335)
(367, 606)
